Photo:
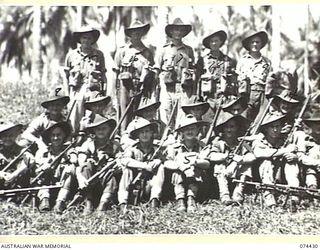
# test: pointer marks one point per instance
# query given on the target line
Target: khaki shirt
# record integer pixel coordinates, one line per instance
(175, 56)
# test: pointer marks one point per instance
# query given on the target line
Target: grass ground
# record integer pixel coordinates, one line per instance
(211, 218)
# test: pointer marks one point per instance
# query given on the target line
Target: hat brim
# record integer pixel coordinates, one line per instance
(155, 105)
(291, 100)
(199, 123)
(311, 121)
(145, 28)
(59, 99)
(274, 119)
(104, 99)
(112, 123)
(186, 27)
(187, 108)
(240, 100)
(66, 128)
(241, 120)
(17, 127)
(220, 33)
(264, 39)
(134, 133)
(95, 35)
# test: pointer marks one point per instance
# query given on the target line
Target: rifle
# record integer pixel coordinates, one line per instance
(285, 189)
(214, 121)
(15, 160)
(108, 169)
(140, 174)
(265, 112)
(13, 192)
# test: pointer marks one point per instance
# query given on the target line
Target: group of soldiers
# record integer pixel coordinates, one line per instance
(181, 126)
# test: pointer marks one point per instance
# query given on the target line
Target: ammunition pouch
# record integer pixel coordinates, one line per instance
(207, 84)
(126, 79)
(169, 77)
(95, 81)
(188, 78)
(229, 85)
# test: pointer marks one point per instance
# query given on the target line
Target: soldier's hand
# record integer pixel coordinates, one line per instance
(43, 167)
(4, 175)
(286, 129)
(238, 158)
(189, 172)
(290, 157)
(82, 182)
(73, 158)
(155, 164)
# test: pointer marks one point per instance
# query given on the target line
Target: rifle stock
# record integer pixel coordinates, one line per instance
(15, 160)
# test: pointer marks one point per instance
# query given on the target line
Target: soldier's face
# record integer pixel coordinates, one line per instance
(197, 112)
(315, 130)
(230, 129)
(8, 138)
(149, 114)
(103, 131)
(255, 44)
(136, 35)
(190, 132)
(55, 109)
(86, 40)
(285, 107)
(215, 43)
(273, 130)
(57, 137)
(145, 134)
(97, 108)
(177, 33)
(235, 109)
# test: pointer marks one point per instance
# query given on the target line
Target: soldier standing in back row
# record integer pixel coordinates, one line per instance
(217, 70)
(131, 63)
(86, 71)
(253, 69)
(174, 58)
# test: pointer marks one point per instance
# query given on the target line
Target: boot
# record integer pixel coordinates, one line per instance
(59, 207)
(154, 203)
(191, 205)
(181, 207)
(88, 209)
(44, 205)
(103, 205)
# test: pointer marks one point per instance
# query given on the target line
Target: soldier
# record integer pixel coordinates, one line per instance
(140, 157)
(309, 151)
(132, 63)
(96, 104)
(93, 154)
(236, 106)
(55, 137)
(218, 77)
(148, 110)
(20, 172)
(53, 114)
(253, 69)
(227, 162)
(86, 72)
(272, 155)
(185, 163)
(173, 61)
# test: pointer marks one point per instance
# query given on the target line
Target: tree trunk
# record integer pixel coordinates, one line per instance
(37, 62)
(276, 39)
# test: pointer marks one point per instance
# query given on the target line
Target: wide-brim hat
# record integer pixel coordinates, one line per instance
(135, 26)
(189, 120)
(272, 117)
(220, 33)
(262, 34)
(139, 123)
(234, 100)
(225, 117)
(99, 120)
(147, 103)
(86, 29)
(10, 126)
(96, 97)
(193, 103)
(177, 23)
(56, 98)
(65, 127)
(313, 118)
(287, 97)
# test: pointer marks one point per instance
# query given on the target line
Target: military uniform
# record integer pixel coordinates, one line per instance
(129, 59)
